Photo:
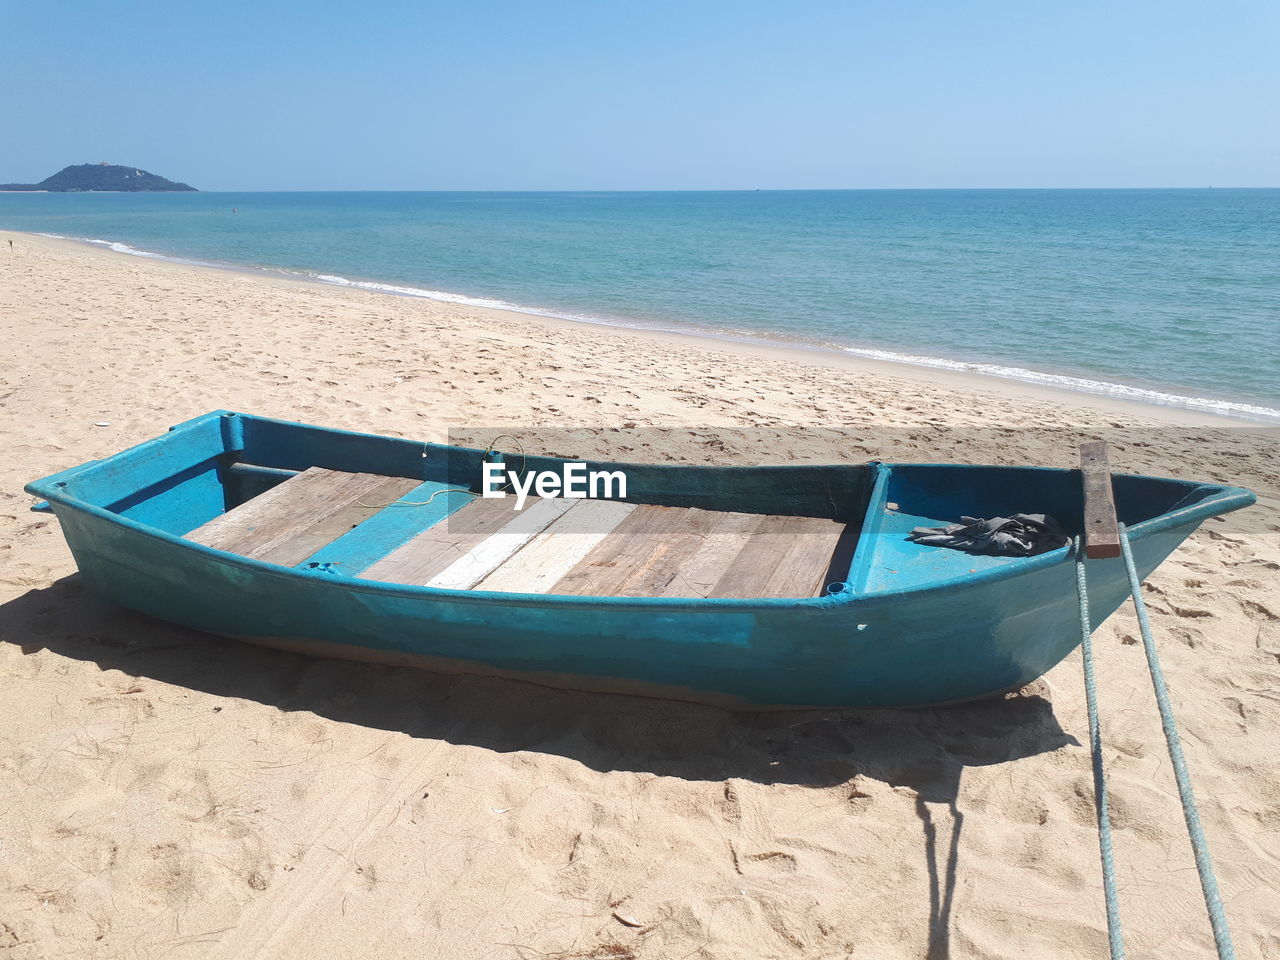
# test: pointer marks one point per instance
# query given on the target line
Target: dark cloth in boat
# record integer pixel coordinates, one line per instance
(1022, 535)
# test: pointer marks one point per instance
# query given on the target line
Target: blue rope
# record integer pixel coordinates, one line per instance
(1115, 937)
(1212, 899)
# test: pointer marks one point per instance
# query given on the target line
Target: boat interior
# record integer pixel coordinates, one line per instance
(367, 526)
(396, 511)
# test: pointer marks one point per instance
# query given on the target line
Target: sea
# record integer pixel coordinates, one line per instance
(1169, 297)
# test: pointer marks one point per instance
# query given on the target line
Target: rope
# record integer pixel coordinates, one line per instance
(1204, 865)
(1115, 936)
(420, 503)
(470, 493)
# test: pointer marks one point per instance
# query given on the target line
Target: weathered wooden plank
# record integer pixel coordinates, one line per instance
(269, 520)
(437, 547)
(841, 557)
(687, 552)
(624, 553)
(821, 555)
(429, 503)
(668, 553)
(551, 554)
(785, 557)
(339, 523)
(1102, 536)
(607, 548)
(487, 555)
(700, 573)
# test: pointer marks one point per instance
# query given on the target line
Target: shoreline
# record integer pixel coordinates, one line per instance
(1182, 411)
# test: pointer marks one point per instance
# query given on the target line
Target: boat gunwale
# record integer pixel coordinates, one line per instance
(1221, 499)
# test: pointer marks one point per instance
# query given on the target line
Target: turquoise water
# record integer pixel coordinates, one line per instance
(1171, 296)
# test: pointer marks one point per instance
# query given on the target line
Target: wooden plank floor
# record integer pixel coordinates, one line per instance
(582, 547)
(687, 552)
(486, 556)
(786, 557)
(436, 548)
(606, 548)
(292, 520)
(558, 549)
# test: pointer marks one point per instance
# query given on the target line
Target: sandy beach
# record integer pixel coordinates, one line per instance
(169, 794)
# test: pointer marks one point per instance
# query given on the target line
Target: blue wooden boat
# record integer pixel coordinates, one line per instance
(748, 587)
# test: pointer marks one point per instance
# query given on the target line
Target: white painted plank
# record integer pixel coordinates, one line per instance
(474, 565)
(558, 549)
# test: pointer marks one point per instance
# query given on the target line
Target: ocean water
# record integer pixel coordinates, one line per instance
(1168, 296)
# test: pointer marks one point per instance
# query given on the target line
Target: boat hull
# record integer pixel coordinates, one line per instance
(925, 647)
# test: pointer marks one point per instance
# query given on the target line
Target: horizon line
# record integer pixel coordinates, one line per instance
(660, 189)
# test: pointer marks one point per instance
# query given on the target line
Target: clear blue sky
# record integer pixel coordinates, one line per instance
(647, 94)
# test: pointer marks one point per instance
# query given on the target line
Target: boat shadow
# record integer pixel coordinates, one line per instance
(925, 751)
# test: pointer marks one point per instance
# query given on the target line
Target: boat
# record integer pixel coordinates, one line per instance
(748, 587)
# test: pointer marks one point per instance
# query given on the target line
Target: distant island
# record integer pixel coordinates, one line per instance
(88, 177)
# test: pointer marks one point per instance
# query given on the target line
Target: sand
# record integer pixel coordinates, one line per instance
(168, 794)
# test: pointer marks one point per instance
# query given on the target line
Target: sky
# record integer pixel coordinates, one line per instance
(647, 94)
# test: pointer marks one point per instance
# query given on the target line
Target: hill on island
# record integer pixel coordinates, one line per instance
(101, 177)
